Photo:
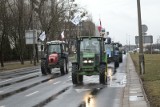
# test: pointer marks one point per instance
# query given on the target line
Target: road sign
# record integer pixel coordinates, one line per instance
(146, 39)
(144, 28)
(29, 36)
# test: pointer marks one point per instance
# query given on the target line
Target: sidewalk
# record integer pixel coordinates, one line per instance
(134, 95)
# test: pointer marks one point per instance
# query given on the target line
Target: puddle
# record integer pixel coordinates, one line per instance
(136, 98)
(89, 99)
(51, 98)
(5, 95)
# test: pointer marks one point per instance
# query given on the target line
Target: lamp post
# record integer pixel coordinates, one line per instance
(141, 54)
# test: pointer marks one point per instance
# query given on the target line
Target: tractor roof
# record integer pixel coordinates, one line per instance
(90, 37)
(56, 42)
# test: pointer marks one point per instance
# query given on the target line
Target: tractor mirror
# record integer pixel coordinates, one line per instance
(107, 55)
(42, 47)
(104, 39)
(43, 58)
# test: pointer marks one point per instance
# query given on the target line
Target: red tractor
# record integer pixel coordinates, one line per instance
(55, 56)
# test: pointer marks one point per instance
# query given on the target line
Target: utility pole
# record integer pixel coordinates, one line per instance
(141, 54)
(129, 44)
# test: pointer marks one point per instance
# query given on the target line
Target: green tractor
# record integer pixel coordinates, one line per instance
(90, 59)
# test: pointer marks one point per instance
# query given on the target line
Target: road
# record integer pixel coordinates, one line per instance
(28, 88)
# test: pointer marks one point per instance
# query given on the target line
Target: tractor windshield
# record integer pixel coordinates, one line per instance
(109, 49)
(90, 45)
(54, 48)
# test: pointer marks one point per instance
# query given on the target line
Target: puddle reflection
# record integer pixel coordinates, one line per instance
(90, 98)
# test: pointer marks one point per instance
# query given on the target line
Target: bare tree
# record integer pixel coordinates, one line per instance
(18, 14)
(3, 29)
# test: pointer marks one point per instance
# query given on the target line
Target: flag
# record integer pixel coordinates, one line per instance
(100, 22)
(42, 37)
(76, 20)
(62, 35)
(100, 26)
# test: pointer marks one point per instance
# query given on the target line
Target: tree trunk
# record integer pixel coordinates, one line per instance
(2, 51)
(1, 57)
(37, 53)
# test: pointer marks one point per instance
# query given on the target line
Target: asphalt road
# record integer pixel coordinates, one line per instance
(28, 88)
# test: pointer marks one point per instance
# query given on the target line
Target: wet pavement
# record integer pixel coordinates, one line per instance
(28, 88)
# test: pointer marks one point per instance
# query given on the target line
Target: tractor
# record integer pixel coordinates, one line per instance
(55, 56)
(109, 50)
(118, 54)
(90, 59)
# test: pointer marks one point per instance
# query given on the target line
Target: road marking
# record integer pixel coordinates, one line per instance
(19, 77)
(5, 80)
(57, 82)
(27, 75)
(32, 93)
(81, 90)
(1, 91)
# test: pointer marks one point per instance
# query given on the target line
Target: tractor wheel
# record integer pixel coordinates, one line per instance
(120, 59)
(62, 66)
(48, 70)
(74, 74)
(43, 70)
(80, 77)
(102, 76)
(116, 64)
(67, 67)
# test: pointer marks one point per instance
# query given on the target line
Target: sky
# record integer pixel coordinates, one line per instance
(119, 17)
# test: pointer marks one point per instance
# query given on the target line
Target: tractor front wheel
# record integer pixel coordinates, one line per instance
(80, 77)
(116, 64)
(74, 74)
(102, 75)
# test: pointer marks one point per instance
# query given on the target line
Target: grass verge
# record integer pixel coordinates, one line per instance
(151, 78)
(15, 65)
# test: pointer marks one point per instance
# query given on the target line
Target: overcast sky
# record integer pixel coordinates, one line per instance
(119, 17)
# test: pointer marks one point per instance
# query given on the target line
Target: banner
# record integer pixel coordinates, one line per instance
(76, 20)
(42, 37)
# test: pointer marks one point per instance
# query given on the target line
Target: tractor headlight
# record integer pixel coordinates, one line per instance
(85, 61)
(90, 61)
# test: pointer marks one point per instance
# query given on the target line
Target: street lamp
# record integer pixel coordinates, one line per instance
(141, 54)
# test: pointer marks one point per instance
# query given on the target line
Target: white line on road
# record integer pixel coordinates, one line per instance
(32, 93)
(19, 77)
(28, 74)
(1, 92)
(57, 82)
(5, 80)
